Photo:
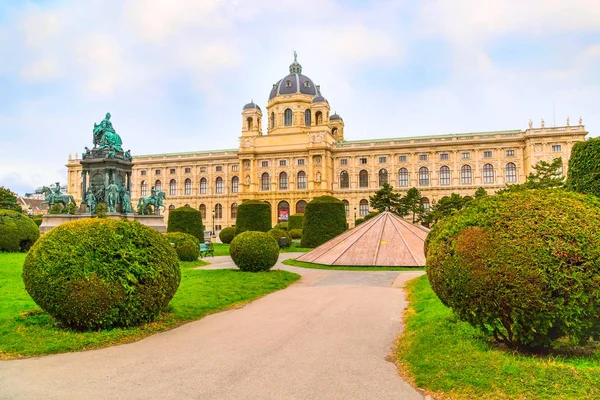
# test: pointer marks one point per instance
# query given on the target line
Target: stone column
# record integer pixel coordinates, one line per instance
(83, 185)
(128, 175)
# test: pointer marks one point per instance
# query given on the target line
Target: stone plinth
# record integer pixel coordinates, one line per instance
(50, 221)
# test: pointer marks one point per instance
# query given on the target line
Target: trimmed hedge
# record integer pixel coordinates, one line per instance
(370, 215)
(282, 225)
(277, 234)
(296, 221)
(359, 221)
(186, 245)
(38, 219)
(187, 220)
(102, 273)
(522, 266)
(18, 232)
(227, 234)
(253, 215)
(254, 251)
(296, 233)
(584, 167)
(324, 219)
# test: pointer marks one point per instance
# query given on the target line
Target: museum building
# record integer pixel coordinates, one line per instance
(303, 154)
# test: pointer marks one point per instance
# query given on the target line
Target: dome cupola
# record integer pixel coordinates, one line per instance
(294, 83)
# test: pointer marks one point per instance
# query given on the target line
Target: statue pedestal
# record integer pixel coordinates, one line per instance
(156, 222)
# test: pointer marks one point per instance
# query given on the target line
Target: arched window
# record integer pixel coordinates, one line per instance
(203, 186)
(346, 207)
(202, 209)
(466, 175)
(219, 185)
(272, 120)
(344, 180)
(283, 181)
(218, 211)
(425, 203)
(171, 207)
(403, 177)
(334, 132)
(249, 123)
(444, 175)
(363, 207)
(144, 189)
(383, 177)
(283, 211)
(511, 173)
(318, 118)
(266, 183)
(307, 117)
(188, 187)
(301, 180)
(363, 179)
(235, 183)
(158, 185)
(488, 173)
(300, 207)
(423, 176)
(173, 187)
(288, 117)
(234, 211)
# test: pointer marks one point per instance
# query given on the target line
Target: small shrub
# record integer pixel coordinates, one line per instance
(584, 167)
(186, 245)
(359, 221)
(324, 219)
(254, 251)
(101, 210)
(227, 234)
(18, 232)
(277, 234)
(187, 220)
(38, 219)
(253, 215)
(296, 221)
(282, 225)
(102, 273)
(522, 266)
(296, 233)
(370, 215)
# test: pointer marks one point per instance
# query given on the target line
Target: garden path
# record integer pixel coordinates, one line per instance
(325, 337)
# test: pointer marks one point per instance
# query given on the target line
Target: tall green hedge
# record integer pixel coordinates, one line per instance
(101, 273)
(324, 219)
(253, 215)
(187, 220)
(296, 221)
(18, 232)
(584, 167)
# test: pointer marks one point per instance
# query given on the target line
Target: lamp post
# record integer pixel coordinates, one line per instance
(354, 216)
(213, 237)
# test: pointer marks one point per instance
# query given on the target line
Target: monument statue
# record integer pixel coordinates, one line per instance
(112, 197)
(90, 200)
(530, 124)
(155, 199)
(54, 196)
(105, 135)
(126, 202)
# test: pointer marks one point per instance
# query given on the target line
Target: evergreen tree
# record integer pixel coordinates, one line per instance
(386, 198)
(546, 175)
(445, 207)
(480, 192)
(8, 200)
(412, 203)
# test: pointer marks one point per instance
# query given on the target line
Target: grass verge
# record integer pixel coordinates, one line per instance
(302, 264)
(26, 331)
(222, 249)
(452, 360)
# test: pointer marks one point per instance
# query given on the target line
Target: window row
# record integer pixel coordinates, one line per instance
(188, 170)
(466, 176)
(465, 155)
(265, 181)
(288, 118)
(187, 188)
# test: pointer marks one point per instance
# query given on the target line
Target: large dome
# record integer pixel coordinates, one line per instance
(295, 82)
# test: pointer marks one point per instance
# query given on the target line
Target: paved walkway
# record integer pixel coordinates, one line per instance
(325, 337)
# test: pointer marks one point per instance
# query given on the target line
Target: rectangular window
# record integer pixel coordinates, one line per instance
(282, 163)
(422, 157)
(443, 156)
(157, 172)
(382, 160)
(188, 170)
(235, 167)
(144, 173)
(219, 168)
(264, 163)
(487, 154)
(363, 208)
(344, 161)
(556, 148)
(202, 169)
(402, 159)
(362, 160)
(465, 155)
(510, 153)
(301, 161)
(172, 171)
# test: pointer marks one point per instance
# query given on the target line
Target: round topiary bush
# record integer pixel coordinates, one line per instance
(296, 233)
(187, 220)
(254, 251)
(523, 266)
(277, 234)
(227, 234)
(296, 221)
(282, 225)
(253, 215)
(324, 219)
(186, 245)
(99, 273)
(18, 232)
(584, 167)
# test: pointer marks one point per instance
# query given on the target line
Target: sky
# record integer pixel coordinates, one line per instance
(176, 74)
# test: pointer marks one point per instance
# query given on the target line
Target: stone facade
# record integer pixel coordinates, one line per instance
(303, 154)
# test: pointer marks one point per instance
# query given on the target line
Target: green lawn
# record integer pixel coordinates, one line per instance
(25, 330)
(452, 360)
(295, 263)
(222, 249)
